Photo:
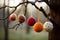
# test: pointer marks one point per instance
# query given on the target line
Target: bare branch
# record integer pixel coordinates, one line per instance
(10, 6)
(15, 26)
(24, 3)
(2, 7)
(9, 14)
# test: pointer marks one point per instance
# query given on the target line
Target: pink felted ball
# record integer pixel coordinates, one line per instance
(31, 21)
(12, 17)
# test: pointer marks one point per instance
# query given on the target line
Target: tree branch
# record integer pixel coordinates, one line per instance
(16, 8)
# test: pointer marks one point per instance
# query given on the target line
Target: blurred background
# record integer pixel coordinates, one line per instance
(24, 32)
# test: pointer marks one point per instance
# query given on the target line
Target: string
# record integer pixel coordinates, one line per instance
(31, 14)
(38, 14)
(22, 9)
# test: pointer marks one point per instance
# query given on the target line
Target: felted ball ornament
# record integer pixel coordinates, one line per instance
(38, 27)
(48, 26)
(31, 21)
(21, 18)
(12, 17)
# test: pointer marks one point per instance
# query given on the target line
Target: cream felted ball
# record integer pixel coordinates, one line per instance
(48, 26)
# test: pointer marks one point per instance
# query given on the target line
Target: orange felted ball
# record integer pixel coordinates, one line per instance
(38, 27)
(12, 17)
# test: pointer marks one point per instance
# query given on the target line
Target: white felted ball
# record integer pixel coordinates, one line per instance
(48, 26)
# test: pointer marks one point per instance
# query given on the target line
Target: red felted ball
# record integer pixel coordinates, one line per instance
(12, 17)
(31, 21)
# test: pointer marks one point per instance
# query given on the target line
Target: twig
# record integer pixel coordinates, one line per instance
(14, 26)
(2, 7)
(8, 15)
(49, 17)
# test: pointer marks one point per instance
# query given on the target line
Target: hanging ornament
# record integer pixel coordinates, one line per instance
(31, 21)
(48, 26)
(21, 18)
(38, 27)
(12, 17)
